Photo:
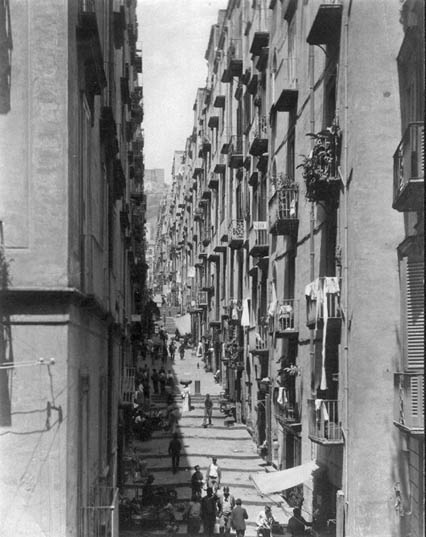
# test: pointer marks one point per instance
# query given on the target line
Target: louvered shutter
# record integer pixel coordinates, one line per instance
(414, 300)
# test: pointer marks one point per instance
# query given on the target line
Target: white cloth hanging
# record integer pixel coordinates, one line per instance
(323, 383)
(274, 302)
(245, 316)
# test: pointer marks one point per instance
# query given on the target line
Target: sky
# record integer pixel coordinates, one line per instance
(174, 36)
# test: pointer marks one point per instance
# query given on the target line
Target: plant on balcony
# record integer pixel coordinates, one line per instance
(320, 166)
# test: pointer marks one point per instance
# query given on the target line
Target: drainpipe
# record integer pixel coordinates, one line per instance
(345, 268)
(312, 213)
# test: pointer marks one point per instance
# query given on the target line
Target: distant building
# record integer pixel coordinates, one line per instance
(283, 226)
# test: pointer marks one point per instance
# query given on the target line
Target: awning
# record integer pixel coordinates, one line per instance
(270, 482)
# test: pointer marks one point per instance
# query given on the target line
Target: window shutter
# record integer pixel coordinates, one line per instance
(414, 295)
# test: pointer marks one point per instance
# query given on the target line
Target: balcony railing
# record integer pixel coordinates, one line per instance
(100, 516)
(235, 58)
(128, 385)
(323, 303)
(236, 152)
(287, 318)
(284, 210)
(409, 402)
(259, 144)
(259, 244)
(261, 338)
(408, 170)
(324, 424)
(236, 233)
(287, 414)
(203, 298)
(234, 309)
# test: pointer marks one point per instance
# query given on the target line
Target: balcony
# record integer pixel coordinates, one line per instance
(260, 40)
(259, 145)
(235, 60)
(408, 170)
(283, 210)
(213, 122)
(236, 152)
(236, 234)
(286, 102)
(213, 183)
(127, 389)
(326, 26)
(409, 402)
(287, 414)
(203, 299)
(198, 215)
(323, 303)
(259, 244)
(260, 342)
(207, 237)
(100, 515)
(324, 425)
(219, 101)
(235, 310)
(202, 254)
(287, 319)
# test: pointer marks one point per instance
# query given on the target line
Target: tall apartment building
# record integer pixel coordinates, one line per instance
(302, 272)
(72, 259)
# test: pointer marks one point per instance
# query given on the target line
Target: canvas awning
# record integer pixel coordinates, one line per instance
(270, 482)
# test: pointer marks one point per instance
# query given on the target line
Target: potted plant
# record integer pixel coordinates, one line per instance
(320, 166)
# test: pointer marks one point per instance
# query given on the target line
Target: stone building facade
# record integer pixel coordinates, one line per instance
(295, 264)
(72, 260)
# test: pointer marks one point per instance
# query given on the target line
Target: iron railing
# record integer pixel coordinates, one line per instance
(287, 316)
(323, 292)
(409, 400)
(409, 159)
(324, 424)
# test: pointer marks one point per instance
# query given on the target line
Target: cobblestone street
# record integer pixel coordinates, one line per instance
(233, 446)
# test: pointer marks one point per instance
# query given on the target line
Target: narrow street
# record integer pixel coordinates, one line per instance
(232, 445)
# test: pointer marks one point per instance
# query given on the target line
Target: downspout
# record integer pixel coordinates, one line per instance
(345, 265)
(312, 212)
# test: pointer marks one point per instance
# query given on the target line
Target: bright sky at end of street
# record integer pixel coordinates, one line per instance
(174, 36)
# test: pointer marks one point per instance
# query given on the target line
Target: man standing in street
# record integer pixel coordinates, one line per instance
(238, 518)
(209, 512)
(213, 475)
(226, 505)
(208, 411)
(174, 451)
(296, 524)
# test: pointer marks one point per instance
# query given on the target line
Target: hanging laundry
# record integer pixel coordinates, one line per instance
(293, 208)
(281, 395)
(245, 316)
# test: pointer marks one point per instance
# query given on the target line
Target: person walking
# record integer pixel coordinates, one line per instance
(296, 524)
(155, 380)
(182, 350)
(200, 352)
(226, 504)
(175, 448)
(197, 482)
(213, 475)
(172, 350)
(209, 512)
(186, 399)
(162, 380)
(193, 516)
(238, 518)
(208, 411)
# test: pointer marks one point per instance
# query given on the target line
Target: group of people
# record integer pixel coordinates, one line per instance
(214, 509)
(204, 353)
